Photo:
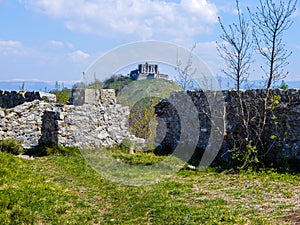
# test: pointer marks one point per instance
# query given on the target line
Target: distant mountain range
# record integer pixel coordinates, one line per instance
(33, 85)
(46, 86)
(257, 84)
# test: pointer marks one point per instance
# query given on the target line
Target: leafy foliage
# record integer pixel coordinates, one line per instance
(12, 146)
(62, 94)
(125, 145)
(142, 116)
(137, 90)
(117, 83)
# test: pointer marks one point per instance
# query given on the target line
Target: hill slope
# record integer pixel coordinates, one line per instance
(140, 89)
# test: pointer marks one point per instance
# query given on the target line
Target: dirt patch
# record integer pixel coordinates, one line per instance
(293, 217)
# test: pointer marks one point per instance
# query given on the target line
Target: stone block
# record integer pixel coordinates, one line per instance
(107, 96)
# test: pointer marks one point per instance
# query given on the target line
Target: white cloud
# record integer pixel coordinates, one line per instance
(70, 45)
(141, 19)
(57, 43)
(10, 44)
(60, 44)
(78, 56)
(10, 47)
(205, 9)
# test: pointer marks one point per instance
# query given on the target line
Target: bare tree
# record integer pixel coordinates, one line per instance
(256, 134)
(270, 21)
(236, 49)
(186, 72)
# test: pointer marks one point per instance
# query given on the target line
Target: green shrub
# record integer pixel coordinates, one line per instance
(126, 144)
(150, 147)
(12, 146)
(142, 118)
(49, 149)
(62, 96)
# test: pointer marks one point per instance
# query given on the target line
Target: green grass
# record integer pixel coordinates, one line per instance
(140, 89)
(64, 189)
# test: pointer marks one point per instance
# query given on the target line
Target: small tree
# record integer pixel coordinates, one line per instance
(62, 93)
(22, 87)
(256, 134)
(270, 21)
(236, 49)
(141, 117)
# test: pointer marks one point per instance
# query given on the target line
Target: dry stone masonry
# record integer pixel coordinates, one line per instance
(24, 122)
(90, 123)
(95, 119)
(10, 99)
(282, 131)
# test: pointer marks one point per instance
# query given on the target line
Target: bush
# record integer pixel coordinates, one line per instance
(142, 118)
(125, 145)
(62, 96)
(150, 147)
(12, 146)
(49, 149)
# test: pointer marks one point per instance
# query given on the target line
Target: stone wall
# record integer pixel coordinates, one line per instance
(281, 137)
(10, 99)
(88, 124)
(96, 120)
(24, 122)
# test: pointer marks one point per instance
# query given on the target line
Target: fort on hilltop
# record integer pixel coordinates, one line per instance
(147, 71)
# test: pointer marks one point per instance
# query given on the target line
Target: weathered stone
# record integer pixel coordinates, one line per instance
(286, 127)
(11, 99)
(2, 113)
(84, 125)
(26, 157)
(107, 96)
(48, 97)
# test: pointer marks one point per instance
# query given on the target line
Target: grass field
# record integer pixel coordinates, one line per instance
(60, 189)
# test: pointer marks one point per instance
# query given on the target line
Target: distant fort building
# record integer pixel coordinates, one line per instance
(147, 71)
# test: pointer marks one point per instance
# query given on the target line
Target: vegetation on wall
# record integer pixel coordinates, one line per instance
(267, 24)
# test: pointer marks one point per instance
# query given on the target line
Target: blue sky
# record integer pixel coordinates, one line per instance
(56, 40)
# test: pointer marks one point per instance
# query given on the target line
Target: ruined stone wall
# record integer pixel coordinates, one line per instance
(105, 123)
(281, 137)
(89, 125)
(23, 122)
(10, 99)
(95, 124)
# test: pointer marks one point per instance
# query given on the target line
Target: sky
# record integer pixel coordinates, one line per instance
(57, 40)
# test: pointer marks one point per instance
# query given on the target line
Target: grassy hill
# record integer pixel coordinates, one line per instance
(140, 89)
